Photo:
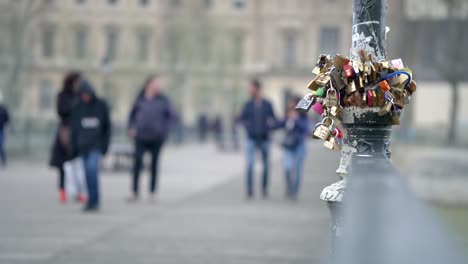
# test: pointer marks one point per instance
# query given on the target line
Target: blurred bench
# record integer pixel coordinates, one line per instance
(119, 158)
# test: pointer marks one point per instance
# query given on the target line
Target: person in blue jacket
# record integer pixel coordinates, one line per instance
(258, 117)
(297, 128)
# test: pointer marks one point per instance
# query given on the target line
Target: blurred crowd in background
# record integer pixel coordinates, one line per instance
(206, 53)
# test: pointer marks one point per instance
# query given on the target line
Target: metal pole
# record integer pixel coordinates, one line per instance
(369, 28)
(380, 221)
(366, 130)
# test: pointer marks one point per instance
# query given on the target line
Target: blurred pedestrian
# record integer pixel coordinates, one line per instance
(65, 102)
(90, 138)
(235, 132)
(4, 120)
(218, 131)
(297, 128)
(258, 117)
(149, 123)
(202, 127)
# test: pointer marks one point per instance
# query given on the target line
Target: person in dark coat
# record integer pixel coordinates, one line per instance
(202, 127)
(218, 131)
(4, 120)
(148, 125)
(66, 100)
(90, 138)
(258, 117)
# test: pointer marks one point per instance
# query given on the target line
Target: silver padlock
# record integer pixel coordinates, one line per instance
(332, 98)
(305, 103)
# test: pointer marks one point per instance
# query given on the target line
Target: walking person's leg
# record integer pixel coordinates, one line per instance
(137, 164)
(61, 184)
(299, 157)
(3, 158)
(250, 148)
(78, 175)
(265, 149)
(288, 161)
(91, 164)
(155, 153)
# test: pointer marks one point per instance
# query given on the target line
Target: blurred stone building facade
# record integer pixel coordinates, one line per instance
(205, 50)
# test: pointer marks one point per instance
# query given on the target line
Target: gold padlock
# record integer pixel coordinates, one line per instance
(395, 118)
(386, 108)
(323, 79)
(336, 110)
(323, 130)
(340, 61)
(351, 88)
(332, 142)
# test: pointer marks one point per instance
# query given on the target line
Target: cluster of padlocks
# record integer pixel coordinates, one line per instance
(385, 86)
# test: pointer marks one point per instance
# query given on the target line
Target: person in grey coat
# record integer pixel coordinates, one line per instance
(148, 125)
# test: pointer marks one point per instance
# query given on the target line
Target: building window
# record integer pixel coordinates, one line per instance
(329, 40)
(46, 95)
(112, 2)
(206, 41)
(110, 94)
(111, 36)
(290, 49)
(48, 41)
(81, 42)
(80, 2)
(144, 3)
(143, 44)
(238, 4)
(175, 3)
(207, 3)
(238, 48)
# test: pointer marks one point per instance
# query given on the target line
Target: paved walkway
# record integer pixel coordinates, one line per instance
(201, 215)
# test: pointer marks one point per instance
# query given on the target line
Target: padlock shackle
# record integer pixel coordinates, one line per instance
(397, 73)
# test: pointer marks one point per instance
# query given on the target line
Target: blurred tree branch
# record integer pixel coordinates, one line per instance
(452, 66)
(19, 15)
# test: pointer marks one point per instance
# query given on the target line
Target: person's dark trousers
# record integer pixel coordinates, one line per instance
(154, 147)
(264, 147)
(61, 179)
(91, 167)
(3, 157)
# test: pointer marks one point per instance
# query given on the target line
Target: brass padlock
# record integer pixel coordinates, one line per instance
(340, 61)
(337, 79)
(380, 98)
(336, 110)
(357, 98)
(323, 79)
(395, 117)
(313, 84)
(399, 99)
(324, 129)
(316, 70)
(333, 142)
(412, 87)
(351, 88)
(407, 97)
(386, 108)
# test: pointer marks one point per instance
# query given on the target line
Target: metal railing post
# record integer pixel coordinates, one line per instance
(379, 221)
(366, 131)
